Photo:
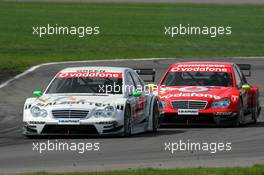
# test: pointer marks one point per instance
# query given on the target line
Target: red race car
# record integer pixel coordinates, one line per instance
(208, 92)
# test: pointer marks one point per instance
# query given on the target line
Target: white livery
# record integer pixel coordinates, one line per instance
(92, 101)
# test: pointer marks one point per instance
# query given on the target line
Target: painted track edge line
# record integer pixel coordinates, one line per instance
(31, 69)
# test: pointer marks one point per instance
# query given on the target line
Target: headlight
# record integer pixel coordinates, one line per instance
(224, 103)
(108, 111)
(37, 112)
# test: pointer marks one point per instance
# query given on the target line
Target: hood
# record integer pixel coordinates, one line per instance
(207, 93)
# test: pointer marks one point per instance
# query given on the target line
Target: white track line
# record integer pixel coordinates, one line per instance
(33, 68)
(93, 61)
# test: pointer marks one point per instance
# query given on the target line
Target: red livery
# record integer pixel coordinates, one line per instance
(208, 92)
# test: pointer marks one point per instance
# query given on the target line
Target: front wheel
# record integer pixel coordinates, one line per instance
(155, 117)
(240, 117)
(127, 122)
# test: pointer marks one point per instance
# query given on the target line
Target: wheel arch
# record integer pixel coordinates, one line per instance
(153, 100)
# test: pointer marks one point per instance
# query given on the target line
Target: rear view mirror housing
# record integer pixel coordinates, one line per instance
(136, 94)
(37, 93)
(246, 87)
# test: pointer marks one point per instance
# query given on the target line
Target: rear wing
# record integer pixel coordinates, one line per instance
(143, 73)
(245, 68)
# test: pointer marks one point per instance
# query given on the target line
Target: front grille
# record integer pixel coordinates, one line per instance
(70, 113)
(172, 118)
(70, 129)
(188, 104)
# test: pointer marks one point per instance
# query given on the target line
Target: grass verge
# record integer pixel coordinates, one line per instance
(127, 30)
(255, 170)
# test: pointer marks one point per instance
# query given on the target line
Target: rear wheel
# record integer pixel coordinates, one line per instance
(155, 117)
(255, 113)
(127, 122)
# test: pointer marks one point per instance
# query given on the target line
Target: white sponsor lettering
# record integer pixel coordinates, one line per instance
(193, 89)
(198, 69)
(191, 95)
(68, 122)
(188, 112)
(201, 65)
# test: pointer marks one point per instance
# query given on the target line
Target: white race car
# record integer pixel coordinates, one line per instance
(93, 101)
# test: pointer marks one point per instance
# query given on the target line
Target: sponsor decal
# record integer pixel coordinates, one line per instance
(223, 113)
(43, 101)
(169, 89)
(68, 122)
(193, 89)
(200, 68)
(61, 101)
(89, 70)
(89, 75)
(72, 99)
(188, 112)
(193, 94)
(186, 89)
(234, 98)
(202, 65)
(69, 101)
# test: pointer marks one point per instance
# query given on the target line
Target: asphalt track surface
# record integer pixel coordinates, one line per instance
(139, 151)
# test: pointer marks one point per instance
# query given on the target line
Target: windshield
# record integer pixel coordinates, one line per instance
(198, 79)
(86, 85)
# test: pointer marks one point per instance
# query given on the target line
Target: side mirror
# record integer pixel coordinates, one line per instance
(37, 93)
(136, 94)
(151, 85)
(246, 87)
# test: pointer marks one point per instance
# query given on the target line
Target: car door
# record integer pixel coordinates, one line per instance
(129, 89)
(239, 82)
(141, 101)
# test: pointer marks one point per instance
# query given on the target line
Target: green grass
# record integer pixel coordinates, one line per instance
(255, 170)
(127, 31)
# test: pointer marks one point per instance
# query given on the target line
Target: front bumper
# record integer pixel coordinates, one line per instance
(31, 128)
(216, 118)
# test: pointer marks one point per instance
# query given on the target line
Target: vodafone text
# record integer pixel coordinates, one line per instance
(89, 75)
(191, 95)
(198, 69)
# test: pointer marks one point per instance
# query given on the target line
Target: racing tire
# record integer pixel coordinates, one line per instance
(240, 117)
(155, 117)
(127, 122)
(255, 113)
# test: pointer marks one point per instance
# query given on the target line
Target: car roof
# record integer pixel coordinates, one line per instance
(226, 64)
(95, 68)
